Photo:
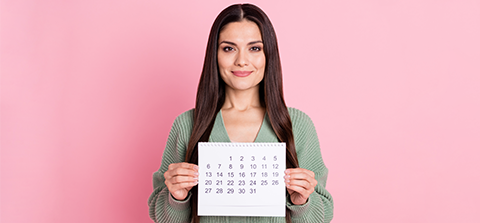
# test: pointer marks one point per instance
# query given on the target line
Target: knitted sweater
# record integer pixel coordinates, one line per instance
(318, 208)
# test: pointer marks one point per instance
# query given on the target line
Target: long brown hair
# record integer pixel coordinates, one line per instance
(211, 89)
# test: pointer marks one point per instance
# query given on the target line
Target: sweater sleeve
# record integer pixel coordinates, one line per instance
(319, 206)
(162, 206)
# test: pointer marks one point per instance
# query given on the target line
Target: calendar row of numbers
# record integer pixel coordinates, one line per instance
(231, 191)
(252, 166)
(240, 182)
(242, 174)
(253, 158)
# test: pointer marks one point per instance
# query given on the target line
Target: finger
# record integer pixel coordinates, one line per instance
(300, 190)
(173, 182)
(183, 172)
(306, 184)
(300, 183)
(301, 186)
(173, 169)
(300, 173)
(181, 186)
(180, 172)
(182, 179)
(183, 165)
(300, 170)
(301, 177)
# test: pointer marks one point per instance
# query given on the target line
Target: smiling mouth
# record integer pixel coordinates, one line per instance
(241, 73)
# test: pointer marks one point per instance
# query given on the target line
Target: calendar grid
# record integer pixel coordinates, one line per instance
(241, 179)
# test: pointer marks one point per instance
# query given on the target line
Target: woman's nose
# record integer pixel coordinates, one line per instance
(241, 59)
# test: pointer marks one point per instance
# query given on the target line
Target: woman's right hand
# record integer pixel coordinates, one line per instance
(180, 178)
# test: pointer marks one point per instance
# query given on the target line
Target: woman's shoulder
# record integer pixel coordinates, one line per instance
(299, 117)
(184, 120)
(186, 116)
(304, 132)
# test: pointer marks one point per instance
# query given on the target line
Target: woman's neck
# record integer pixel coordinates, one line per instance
(241, 100)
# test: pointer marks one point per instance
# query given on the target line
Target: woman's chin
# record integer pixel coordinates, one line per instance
(243, 87)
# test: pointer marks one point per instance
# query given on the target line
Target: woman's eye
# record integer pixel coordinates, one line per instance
(227, 49)
(256, 48)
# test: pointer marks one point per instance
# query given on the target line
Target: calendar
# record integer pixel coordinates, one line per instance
(241, 179)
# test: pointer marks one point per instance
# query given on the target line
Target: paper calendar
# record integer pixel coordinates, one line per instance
(241, 179)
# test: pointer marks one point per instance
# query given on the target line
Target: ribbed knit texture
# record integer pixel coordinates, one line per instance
(319, 207)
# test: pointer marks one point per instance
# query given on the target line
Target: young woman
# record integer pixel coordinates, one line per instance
(240, 99)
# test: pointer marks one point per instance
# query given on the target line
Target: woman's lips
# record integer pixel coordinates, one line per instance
(241, 73)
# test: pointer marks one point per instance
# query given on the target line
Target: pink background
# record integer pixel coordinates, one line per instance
(89, 90)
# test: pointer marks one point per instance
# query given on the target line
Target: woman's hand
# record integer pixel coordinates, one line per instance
(300, 184)
(180, 178)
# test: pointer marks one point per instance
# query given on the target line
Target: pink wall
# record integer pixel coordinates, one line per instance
(90, 89)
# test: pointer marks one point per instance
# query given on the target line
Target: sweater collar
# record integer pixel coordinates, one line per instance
(219, 132)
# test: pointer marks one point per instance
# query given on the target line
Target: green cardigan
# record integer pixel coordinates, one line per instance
(319, 206)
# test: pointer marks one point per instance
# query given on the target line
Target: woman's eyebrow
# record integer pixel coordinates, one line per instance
(254, 42)
(250, 43)
(227, 42)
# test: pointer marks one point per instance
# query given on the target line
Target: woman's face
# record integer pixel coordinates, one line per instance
(241, 59)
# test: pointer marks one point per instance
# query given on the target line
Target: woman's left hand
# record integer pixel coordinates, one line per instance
(300, 184)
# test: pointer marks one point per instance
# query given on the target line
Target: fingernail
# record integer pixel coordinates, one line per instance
(287, 171)
(288, 185)
(195, 167)
(287, 181)
(196, 173)
(195, 178)
(287, 176)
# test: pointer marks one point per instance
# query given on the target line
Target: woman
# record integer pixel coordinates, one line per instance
(240, 99)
